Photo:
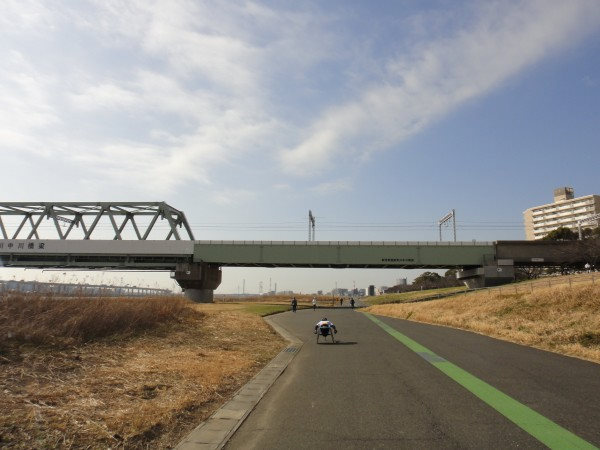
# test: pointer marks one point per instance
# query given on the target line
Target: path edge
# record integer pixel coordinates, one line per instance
(216, 431)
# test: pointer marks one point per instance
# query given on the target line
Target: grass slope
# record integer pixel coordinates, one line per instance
(563, 318)
(130, 373)
(411, 296)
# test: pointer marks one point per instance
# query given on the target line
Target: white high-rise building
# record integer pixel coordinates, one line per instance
(566, 211)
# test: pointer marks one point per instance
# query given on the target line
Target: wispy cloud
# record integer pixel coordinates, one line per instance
(439, 76)
(332, 187)
(182, 89)
(156, 95)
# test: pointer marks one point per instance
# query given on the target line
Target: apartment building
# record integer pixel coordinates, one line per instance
(565, 211)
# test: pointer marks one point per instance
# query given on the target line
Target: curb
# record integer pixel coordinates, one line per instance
(215, 431)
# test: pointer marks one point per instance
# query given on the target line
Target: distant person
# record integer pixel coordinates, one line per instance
(352, 302)
(294, 304)
(342, 301)
(314, 303)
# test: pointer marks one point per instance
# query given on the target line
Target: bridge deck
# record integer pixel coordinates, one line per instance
(166, 254)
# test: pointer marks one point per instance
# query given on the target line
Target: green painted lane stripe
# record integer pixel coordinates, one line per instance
(541, 428)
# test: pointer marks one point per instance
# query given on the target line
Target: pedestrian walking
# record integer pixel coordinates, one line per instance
(342, 301)
(352, 302)
(294, 304)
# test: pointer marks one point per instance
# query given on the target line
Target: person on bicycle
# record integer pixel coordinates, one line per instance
(294, 304)
(325, 323)
(314, 303)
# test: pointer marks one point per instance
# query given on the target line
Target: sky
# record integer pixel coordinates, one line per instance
(379, 117)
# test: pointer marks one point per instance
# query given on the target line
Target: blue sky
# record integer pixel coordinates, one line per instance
(380, 117)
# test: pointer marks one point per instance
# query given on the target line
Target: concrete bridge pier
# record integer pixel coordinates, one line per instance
(495, 274)
(198, 280)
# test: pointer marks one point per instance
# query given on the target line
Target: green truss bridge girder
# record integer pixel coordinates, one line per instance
(343, 254)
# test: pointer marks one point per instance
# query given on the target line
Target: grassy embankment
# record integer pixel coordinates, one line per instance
(132, 373)
(561, 316)
(411, 296)
(304, 300)
(260, 309)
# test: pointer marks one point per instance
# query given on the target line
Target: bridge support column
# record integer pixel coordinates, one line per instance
(198, 280)
(489, 275)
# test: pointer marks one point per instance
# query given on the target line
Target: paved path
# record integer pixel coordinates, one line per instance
(371, 391)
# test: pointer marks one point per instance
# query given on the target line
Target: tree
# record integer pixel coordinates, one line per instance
(428, 280)
(561, 234)
(528, 273)
(450, 278)
(591, 233)
(427, 277)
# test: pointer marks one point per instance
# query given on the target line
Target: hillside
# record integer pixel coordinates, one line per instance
(561, 315)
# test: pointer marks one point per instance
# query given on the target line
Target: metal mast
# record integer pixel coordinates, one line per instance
(446, 218)
(311, 226)
(591, 218)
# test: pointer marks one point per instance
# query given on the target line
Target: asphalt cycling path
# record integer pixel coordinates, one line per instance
(371, 391)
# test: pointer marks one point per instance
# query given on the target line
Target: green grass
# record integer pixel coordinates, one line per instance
(410, 296)
(265, 309)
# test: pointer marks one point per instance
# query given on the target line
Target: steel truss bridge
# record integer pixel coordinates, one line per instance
(196, 265)
(74, 215)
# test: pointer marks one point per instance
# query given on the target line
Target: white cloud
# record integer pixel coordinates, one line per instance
(230, 197)
(332, 187)
(26, 105)
(190, 99)
(103, 96)
(156, 95)
(439, 76)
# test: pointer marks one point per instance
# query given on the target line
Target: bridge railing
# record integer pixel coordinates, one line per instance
(357, 243)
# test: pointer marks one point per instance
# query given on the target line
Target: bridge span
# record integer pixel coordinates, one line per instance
(196, 265)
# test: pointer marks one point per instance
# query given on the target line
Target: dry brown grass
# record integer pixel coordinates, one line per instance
(562, 319)
(137, 387)
(41, 320)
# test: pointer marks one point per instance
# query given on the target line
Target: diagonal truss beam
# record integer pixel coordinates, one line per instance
(2, 229)
(76, 214)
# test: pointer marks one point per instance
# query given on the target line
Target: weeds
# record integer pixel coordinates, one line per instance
(120, 373)
(589, 339)
(42, 320)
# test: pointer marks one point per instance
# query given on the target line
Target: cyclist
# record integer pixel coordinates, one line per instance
(324, 323)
